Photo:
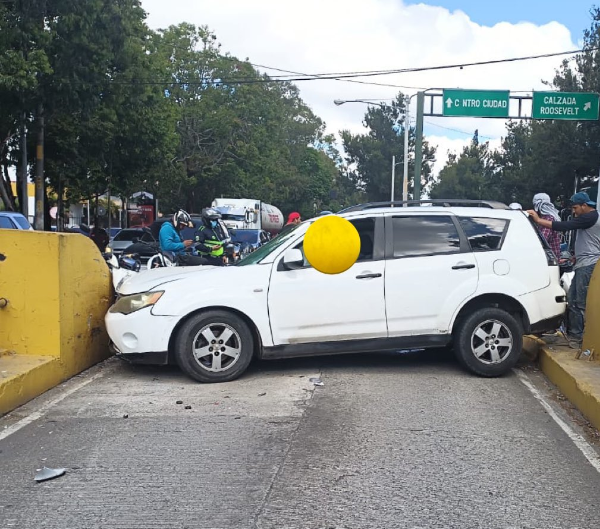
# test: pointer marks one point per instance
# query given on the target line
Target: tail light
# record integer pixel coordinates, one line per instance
(550, 257)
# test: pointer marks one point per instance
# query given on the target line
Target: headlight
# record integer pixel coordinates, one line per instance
(129, 304)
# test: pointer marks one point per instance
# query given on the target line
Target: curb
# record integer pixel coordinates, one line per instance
(577, 379)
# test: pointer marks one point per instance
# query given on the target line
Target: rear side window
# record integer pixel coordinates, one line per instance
(485, 235)
(427, 235)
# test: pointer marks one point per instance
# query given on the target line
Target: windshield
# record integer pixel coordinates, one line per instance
(245, 236)
(265, 250)
(227, 216)
(128, 235)
(22, 221)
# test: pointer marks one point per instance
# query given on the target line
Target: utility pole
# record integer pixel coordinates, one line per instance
(24, 179)
(40, 193)
(419, 145)
(406, 134)
(393, 176)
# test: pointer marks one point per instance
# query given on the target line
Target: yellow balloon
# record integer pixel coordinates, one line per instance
(331, 244)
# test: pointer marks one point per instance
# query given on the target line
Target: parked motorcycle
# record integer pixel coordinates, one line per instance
(122, 267)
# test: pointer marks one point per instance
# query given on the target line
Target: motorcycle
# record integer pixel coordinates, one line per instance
(122, 267)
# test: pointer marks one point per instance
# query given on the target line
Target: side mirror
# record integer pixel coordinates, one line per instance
(293, 259)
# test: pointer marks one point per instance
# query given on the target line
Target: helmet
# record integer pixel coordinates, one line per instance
(209, 214)
(182, 217)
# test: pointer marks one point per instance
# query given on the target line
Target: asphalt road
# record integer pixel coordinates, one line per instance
(387, 442)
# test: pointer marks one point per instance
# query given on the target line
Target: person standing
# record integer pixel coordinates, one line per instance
(587, 253)
(546, 210)
(294, 219)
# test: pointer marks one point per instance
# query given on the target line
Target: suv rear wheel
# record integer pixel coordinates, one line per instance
(489, 342)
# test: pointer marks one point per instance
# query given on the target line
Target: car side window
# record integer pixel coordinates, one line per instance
(484, 235)
(415, 236)
(6, 223)
(366, 233)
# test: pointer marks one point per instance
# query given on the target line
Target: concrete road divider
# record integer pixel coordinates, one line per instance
(54, 292)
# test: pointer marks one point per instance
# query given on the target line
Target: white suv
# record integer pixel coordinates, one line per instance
(475, 277)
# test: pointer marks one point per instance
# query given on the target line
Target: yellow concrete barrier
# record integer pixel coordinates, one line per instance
(591, 338)
(58, 289)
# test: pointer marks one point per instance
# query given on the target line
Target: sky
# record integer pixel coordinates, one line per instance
(318, 36)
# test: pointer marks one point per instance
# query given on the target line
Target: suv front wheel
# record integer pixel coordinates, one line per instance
(489, 342)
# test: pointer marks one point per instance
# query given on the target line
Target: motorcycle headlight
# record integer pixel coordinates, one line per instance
(135, 302)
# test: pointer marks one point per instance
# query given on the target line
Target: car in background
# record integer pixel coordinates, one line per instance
(249, 240)
(127, 237)
(11, 220)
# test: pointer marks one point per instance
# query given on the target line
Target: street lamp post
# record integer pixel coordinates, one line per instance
(339, 102)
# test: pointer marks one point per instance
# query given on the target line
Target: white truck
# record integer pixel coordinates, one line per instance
(249, 214)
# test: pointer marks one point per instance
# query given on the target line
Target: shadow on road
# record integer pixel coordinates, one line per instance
(419, 362)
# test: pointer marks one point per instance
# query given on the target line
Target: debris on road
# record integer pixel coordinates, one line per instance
(44, 474)
(316, 381)
(179, 402)
(262, 394)
(188, 407)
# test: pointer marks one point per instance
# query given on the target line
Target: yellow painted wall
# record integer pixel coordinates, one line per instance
(59, 289)
(30, 189)
(591, 338)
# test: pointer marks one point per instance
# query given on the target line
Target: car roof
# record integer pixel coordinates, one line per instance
(438, 210)
(11, 214)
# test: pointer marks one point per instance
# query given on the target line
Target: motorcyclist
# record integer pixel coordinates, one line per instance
(170, 239)
(211, 238)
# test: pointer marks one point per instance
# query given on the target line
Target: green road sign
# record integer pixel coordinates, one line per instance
(476, 103)
(578, 106)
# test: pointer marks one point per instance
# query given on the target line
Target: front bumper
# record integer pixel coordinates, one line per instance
(151, 358)
(140, 333)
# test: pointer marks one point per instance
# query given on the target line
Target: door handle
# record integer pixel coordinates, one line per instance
(463, 267)
(367, 276)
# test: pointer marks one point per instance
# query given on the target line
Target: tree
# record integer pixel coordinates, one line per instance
(239, 133)
(468, 176)
(370, 155)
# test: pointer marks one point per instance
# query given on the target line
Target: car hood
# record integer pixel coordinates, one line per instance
(146, 280)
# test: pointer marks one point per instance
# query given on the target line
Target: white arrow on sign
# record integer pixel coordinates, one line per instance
(587, 106)
(449, 103)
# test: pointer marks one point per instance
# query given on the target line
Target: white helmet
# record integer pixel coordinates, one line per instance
(182, 217)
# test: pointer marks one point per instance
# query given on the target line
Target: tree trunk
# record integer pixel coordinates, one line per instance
(6, 191)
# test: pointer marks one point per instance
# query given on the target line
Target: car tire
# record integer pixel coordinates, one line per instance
(214, 346)
(489, 342)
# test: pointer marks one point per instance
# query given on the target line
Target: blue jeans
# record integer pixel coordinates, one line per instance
(577, 297)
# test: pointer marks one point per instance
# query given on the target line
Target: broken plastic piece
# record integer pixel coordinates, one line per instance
(261, 394)
(46, 473)
(316, 381)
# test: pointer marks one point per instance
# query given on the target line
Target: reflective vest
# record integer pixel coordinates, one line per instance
(211, 242)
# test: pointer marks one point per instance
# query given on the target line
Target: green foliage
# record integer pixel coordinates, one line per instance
(370, 154)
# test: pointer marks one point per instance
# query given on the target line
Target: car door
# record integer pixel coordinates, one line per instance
(430, 272)
(307, 306)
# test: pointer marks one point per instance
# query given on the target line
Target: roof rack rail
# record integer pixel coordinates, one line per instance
(492, 204)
